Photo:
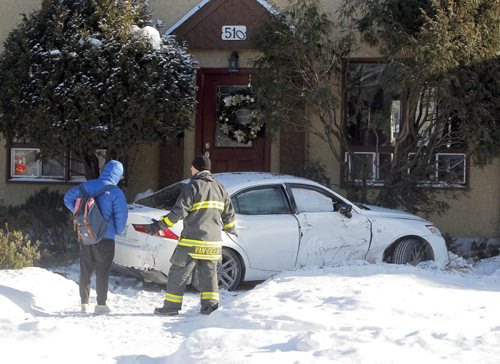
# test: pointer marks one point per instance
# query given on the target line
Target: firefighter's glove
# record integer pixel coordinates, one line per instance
(155, 226)
(232, 232)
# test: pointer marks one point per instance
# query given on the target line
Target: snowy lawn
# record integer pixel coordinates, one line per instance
(358, 313)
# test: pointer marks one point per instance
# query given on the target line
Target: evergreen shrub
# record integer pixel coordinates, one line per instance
(17, 251)
(44, 218)
(483, 249)
(479, 249)
(313, 170)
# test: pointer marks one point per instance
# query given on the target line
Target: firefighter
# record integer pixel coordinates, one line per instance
(206, 209)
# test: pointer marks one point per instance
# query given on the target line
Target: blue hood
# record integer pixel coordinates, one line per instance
(112, 172)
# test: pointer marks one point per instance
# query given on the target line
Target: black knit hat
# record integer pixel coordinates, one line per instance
(201, 163)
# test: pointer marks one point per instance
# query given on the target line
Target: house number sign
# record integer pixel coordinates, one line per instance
(234, 32)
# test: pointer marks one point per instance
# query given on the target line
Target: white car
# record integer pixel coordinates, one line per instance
(283, 222)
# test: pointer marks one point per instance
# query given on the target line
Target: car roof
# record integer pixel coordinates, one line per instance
(234, 181)
(237, 181)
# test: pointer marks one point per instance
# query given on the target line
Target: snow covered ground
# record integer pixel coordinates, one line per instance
(357, 313)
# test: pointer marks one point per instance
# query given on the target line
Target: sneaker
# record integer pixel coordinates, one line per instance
(85, 308)
(102, 309)
(207, 310)
(163, 311)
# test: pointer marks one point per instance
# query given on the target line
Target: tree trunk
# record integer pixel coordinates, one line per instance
(91, 166)
(90, 163)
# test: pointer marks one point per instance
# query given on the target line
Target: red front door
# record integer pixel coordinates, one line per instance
(226, 154)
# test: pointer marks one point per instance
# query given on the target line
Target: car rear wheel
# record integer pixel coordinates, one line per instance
(229, 271)
(411, 251)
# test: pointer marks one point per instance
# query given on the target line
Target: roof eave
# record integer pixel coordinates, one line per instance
(265, 4)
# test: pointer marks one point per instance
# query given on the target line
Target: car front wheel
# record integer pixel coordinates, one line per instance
(411, 251)
(229, 271)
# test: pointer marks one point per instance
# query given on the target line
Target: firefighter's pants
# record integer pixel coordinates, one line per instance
(179, 273)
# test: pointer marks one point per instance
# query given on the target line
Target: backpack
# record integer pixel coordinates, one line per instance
(88, 222)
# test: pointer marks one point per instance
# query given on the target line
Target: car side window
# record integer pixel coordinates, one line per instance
(261, 201)
(308, 200)
(164, 198)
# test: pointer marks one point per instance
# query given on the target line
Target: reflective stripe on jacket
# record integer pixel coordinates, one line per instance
(206, 209)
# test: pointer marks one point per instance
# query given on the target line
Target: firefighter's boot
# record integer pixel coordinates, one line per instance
(207, 309)
(166, 310)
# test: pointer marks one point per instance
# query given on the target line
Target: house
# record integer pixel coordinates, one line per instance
(216, 32)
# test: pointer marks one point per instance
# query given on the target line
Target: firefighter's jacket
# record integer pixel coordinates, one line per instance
(206, 209)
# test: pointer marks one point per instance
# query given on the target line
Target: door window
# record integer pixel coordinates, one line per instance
(308, 200)
(261, 201)
(164, 198)
(221, 139)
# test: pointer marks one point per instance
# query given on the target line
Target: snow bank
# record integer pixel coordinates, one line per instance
(358, 313)
(33, 308)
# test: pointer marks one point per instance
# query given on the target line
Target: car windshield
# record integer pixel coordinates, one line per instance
(164, 198)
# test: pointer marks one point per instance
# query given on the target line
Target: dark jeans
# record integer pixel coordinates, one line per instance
(99, 258)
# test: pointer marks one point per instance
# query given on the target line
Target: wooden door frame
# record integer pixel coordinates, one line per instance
(201, 82)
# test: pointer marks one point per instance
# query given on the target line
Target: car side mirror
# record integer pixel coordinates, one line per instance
(344, 209)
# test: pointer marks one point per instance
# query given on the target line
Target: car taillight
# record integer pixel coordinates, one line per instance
(165, 233)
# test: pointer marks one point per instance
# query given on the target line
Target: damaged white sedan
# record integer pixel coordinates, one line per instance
(283, 222)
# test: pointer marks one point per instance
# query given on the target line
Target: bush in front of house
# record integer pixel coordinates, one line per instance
(313, 170)
(44, 218)
(17, 251)
(452, 246)
(482, 248)
(89, 75)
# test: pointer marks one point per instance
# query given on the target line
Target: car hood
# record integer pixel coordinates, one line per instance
(377, 211)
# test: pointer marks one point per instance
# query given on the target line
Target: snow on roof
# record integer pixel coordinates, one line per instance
(202, 3)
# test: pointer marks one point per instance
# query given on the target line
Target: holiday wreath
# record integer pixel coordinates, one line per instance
(238, 117)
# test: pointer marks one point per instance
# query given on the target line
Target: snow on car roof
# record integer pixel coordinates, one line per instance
(233, 181)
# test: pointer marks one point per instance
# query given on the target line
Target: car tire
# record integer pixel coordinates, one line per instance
(229, 271)
(411, 251)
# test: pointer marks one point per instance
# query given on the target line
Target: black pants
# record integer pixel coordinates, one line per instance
(99, 258)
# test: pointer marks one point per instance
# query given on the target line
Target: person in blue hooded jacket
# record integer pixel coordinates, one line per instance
(99, 257)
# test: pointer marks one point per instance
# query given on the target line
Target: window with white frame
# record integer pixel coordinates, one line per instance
(374, 106)
(374, 165)
(29, 164)
(449, 169)
(373, 112)
(76, 169)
